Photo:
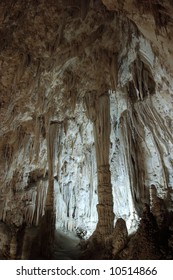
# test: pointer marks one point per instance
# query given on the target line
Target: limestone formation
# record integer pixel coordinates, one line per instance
(144, 244)
(86, 125)
(98, 111)
(119, 237)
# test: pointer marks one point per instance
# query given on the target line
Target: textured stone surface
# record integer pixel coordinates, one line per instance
(144, 244)
(52, 55)
(120, 237)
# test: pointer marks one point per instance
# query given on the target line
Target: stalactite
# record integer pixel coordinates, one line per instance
(58, 38)
(130, 150)
(91, 172)
(20, 134)
(143, 84)
(132, 130)
(26, 146)
(7, 153)
(65, 125)
(84, 8)
(160, 14)
(90, 103)
(40, 201)
(2, 207)
(162, 125)
(145, 113)
(114, 70)
(39, 131)
(30, 208)
(134, 123)
(19, 72)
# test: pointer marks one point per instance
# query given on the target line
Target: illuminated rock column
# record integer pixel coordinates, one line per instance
(102, 141)
(98, 111)
(48, 221)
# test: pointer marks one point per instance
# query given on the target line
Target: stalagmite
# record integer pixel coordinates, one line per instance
(119, 237)
(158, 209)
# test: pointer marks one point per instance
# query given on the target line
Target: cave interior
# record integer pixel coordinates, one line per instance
(86, 129)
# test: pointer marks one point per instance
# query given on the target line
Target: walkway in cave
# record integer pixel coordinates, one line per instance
(66, 246)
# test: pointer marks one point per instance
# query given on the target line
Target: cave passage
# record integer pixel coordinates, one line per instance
(66, 246)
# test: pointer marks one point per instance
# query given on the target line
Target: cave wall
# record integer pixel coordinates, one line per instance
(52, 55)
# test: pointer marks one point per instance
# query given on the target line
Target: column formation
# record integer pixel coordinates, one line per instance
(98, 111)
(48, 221)
(105, 206)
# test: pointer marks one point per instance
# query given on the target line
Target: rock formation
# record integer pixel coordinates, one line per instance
(86, 120)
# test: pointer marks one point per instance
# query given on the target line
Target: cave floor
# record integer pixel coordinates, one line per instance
(66, 246)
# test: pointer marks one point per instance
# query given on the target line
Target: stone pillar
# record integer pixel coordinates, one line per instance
(105, 198)
(13, 247)
(48, 220)
(98, 111)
